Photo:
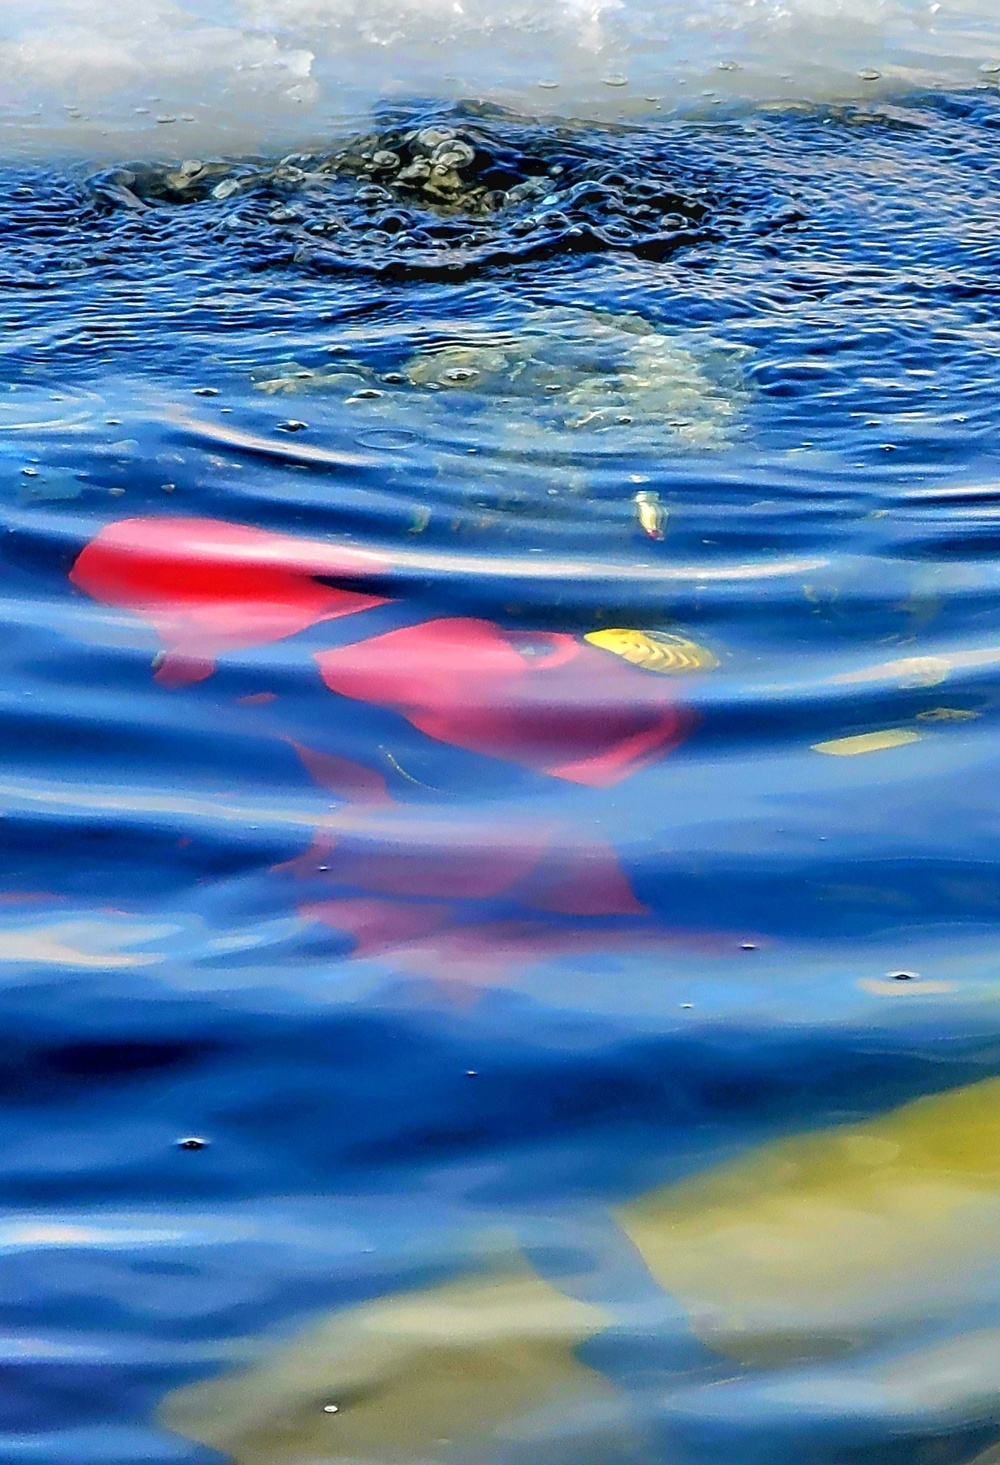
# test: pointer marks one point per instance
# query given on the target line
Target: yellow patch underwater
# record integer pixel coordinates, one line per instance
(658, 651)
(401, 1377)
(873, 742)
(651, 514)
(811, 1245)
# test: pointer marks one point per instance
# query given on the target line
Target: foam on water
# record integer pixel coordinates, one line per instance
(122, 75)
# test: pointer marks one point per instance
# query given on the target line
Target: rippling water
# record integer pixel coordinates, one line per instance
(500, 729)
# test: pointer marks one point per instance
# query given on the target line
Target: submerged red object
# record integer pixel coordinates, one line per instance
(542, 866)
(541, 699)
(448, 944)
(544, 700)
(208, 587)
(421, 904)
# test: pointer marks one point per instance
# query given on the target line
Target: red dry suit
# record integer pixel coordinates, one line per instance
(544, 700)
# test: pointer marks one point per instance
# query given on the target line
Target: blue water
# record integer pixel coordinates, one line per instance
(408, 1061)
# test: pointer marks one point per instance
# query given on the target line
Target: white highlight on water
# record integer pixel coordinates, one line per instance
(163, 77)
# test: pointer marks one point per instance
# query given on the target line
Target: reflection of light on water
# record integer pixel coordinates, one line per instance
(83, 943)
(26, 408)
(26, 1235)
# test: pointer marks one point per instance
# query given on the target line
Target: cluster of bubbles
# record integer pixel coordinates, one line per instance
(443, 197)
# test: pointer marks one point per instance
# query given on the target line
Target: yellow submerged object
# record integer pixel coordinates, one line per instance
(401, 1378)
(809, 1246)
(873, 742)
(651, 514)
(921, 671)
(658, 651)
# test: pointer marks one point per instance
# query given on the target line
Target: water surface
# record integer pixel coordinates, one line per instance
(498, 902)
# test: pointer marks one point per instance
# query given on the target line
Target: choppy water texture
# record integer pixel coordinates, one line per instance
(498, 893)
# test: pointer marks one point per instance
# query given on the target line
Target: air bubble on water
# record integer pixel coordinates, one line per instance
(387, 437)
